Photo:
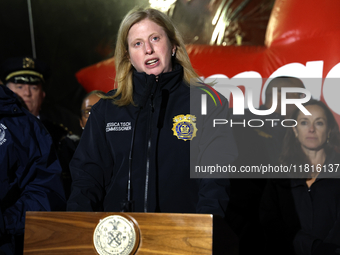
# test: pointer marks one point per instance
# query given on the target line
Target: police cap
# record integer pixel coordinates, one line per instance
(24, 70)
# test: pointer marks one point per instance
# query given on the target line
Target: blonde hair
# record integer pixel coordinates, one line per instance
(124, 68)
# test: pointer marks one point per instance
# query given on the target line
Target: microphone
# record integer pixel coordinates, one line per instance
(165, 99)
(128, 204)
(147, 92)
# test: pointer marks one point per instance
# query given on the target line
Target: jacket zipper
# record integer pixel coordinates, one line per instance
(148, 156)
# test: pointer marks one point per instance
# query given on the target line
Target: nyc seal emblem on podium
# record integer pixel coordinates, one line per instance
(184, 127)
(114, 235)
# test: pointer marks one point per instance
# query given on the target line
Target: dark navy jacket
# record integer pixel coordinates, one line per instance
(301, 220)
(29, 171)
(160, 175)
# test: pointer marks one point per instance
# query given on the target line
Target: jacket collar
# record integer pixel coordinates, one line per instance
(330, 159)
(9, 103)
(144, 84)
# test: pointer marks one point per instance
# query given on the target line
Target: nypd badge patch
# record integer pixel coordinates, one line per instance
(184, 126)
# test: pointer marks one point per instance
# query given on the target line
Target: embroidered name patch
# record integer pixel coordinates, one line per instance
(184, 127)
(118, 126)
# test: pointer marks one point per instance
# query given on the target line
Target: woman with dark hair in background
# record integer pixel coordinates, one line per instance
(302, 215)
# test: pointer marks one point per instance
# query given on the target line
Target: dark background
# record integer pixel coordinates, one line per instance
(72, 34)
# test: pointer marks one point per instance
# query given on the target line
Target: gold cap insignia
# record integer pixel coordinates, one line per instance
(184, 126)
(28, 63)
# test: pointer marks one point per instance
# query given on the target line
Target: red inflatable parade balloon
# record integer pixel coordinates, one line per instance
(302, 41)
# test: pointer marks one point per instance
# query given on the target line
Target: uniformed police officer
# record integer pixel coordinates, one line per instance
(27, 77)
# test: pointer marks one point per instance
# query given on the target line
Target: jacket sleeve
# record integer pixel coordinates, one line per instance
(305, 243)
(39, 179)
(279, 233)
(2, 225)
(91, 166)
(215, 147)
(213, 196)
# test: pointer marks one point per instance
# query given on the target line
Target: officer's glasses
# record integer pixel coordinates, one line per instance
(86, 113)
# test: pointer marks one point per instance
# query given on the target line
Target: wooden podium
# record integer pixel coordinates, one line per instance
(158, 233)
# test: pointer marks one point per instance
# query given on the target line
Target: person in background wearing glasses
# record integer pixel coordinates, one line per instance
(89, 100)
(69, 144)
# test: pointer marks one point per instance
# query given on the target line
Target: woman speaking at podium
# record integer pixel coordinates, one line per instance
(134, 154)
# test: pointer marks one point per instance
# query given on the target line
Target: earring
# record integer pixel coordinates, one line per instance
(173, 53)
(327, 139)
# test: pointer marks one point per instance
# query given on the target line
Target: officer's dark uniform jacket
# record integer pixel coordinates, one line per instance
(29, 171)
(160, 176)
